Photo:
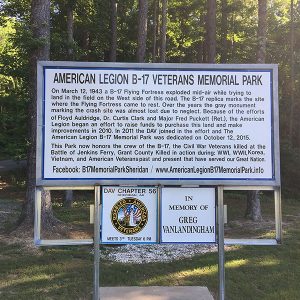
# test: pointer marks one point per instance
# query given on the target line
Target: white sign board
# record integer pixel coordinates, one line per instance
(188, 215)
(137, 122)
(129, 215)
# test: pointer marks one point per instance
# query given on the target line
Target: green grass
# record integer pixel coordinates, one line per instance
(252, 272)
(78, 214)
(54, 274)
(8, 220)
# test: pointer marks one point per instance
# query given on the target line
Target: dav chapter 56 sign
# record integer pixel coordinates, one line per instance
(188, 215)
(129, 215)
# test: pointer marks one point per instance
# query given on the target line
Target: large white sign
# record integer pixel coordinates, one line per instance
(188, 215)
(163, 123)
(129, 215)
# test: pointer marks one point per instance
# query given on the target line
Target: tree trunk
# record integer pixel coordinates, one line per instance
(68, 202)
(211, 31)
(68, 199)
(113, 42)
(164, 31)
(224, 32)
(253, 210)
(232, 42)
(201, 47)
(85, 45)
(70, 31)
(292, 103)
(262, 31)
(70, 35)
(40, 27)
(155, 27)
(142, 30)
(47, 217)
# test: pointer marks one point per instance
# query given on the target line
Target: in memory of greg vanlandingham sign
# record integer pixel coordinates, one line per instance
(188, 215)
(104, 122)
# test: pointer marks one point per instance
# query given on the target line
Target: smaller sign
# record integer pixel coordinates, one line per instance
(188, 215)
(129, 215)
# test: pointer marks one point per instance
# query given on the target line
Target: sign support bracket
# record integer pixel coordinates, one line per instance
(96, 295)
(278, 214)
(221, 266)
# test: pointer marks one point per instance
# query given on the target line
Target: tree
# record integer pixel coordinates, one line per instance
(40, 30)
(155, 29)
(68, 201)
(113, 43)
(253, 210)
(12, 94)
(185, 30)
(70, 27)
(142, 30)
(292, 59)
(224, 32)
(211, 31)
(262, 31)
(164, 31)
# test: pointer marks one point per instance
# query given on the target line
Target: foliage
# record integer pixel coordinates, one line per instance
(290, 166)
(13, 96)
(185, 33)
(185, 43)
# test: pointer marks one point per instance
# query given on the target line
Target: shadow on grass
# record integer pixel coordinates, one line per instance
(55, 274)
(252, 272)
(67, 273)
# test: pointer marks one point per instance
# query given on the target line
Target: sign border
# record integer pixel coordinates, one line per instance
(274, 126)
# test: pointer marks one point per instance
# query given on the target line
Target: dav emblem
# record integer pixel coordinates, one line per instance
(129, 216)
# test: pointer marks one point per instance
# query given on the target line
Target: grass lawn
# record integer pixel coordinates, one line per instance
(252, 272)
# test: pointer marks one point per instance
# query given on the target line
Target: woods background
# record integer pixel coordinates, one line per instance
(177, 31)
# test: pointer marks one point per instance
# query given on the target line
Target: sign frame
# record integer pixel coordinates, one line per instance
(272, 184)
(274, 127)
